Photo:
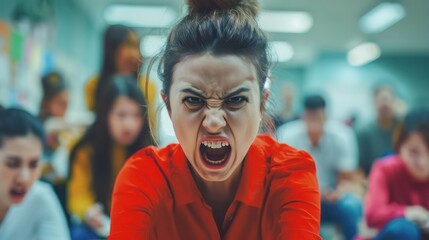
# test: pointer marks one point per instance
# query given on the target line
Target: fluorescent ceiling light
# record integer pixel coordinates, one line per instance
(382, 17)
(285, 21)
(152, 45)
(140, 16)
(281, 51)
(363, 54)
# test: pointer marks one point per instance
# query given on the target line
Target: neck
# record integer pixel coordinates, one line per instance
(219, 193)
(3, 211)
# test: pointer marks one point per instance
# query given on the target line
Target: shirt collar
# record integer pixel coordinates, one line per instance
(184, 187)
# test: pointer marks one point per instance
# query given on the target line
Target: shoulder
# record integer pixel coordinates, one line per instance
(41, 195)
(284, 158)
(291, 173)
(290, 130)
(150, 164)
(388, 165)
(339, 132)
(152, 154)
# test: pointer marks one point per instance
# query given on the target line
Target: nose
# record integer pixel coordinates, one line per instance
(131, 123)
(214, 120)
(24, 175)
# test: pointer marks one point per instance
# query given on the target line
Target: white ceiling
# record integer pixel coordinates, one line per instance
(335, 26)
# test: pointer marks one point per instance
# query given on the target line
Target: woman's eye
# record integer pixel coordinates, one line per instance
(34, 164)
(193, 103)
(13, 163)
(236, 102)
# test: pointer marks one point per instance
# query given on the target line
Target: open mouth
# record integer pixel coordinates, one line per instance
(215, 153)
(17, 194)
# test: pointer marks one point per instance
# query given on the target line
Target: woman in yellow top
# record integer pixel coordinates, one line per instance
(121, 55)
(119, 130)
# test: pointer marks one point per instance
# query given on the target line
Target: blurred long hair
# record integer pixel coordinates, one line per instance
(114, 37)
(100, 141)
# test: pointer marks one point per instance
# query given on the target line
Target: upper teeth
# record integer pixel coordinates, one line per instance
(217, 144)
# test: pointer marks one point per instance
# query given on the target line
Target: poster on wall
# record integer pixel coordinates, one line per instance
(4, 62)
(4, 36)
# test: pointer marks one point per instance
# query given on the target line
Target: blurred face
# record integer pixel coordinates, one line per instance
(57, 106)
(315, 121)
(128, 55)
(384, 101)
(415, 154)
(215, 108)
(125, 120)
(19, 167)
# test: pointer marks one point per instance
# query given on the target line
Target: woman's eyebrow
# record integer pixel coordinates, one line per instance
(200, 94)
(194, 92)
(235, 92)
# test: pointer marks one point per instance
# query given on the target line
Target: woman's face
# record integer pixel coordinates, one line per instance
(128, 55)
(215, 134)
(19, 167)
(415, 154)
(57, 106)
(125, 120)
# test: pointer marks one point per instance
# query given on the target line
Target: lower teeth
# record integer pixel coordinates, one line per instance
(215, 162)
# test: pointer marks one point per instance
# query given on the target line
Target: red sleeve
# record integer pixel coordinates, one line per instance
(378, 210)
(135, 196)
(294, 199)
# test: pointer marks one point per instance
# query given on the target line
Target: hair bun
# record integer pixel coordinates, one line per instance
(249, 7)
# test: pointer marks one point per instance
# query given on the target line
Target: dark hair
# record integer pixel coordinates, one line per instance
(52, 85)
(218, 27)
(16, 122)
(314, 102)
(98, 138)
(114, 37)
(416, 121)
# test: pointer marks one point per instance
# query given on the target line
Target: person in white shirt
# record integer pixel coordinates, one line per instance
(28, 209)
(334, 148)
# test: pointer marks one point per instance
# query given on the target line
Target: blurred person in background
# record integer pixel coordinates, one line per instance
(334, 148)
(29, 209)
(375, 138)
(52, 113)
(55, 97)
(397, 202)
(121, 56)
(120, 129)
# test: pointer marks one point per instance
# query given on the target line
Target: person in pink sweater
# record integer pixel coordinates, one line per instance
(397, 202)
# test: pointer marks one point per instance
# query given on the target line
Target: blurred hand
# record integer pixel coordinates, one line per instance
(94, 216)
(417, 214)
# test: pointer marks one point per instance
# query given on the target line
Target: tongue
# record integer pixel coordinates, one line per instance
(215, 154)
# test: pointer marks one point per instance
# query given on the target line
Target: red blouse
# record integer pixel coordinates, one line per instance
(156, 197)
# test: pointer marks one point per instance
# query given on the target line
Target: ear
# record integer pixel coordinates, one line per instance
(166, 102)
(265, 97)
